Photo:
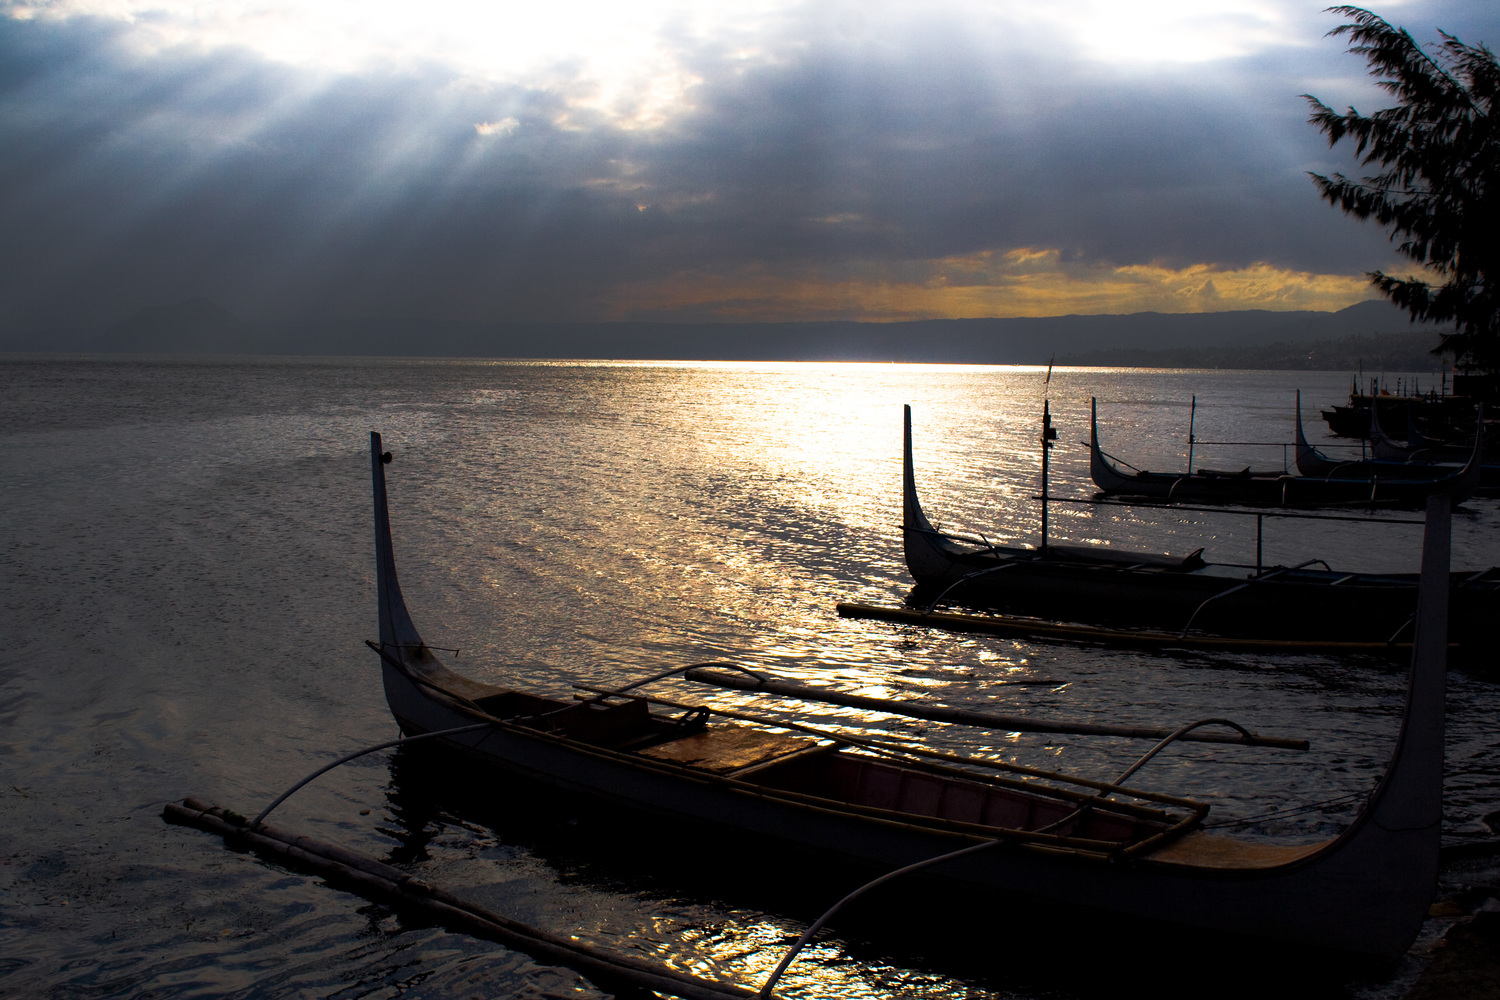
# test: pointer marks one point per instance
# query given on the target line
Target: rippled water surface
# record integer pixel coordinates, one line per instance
(188, 577)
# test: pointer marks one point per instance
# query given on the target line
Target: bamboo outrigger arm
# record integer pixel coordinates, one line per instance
(985, 720)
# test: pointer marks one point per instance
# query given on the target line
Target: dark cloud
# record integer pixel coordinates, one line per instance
(129, 180)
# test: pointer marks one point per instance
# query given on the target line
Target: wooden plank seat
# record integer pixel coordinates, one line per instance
(727, 748)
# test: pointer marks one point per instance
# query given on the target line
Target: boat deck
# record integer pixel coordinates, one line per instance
(729, 749)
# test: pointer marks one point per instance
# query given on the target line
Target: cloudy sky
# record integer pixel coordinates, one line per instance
(654, 159)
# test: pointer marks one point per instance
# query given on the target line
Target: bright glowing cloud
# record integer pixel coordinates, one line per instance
(1169, 31)
(764, 159)
(504, 126)
(633, 63)
(620, 60)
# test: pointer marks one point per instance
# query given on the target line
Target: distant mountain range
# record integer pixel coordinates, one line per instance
(1392, 352)
(1365, 332)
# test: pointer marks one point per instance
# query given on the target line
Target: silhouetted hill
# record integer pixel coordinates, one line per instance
(202, 327)
(1395, 352)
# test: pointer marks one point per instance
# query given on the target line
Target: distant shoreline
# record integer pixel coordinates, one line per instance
(1363, 334)
(1205, 360)
(1390, 352)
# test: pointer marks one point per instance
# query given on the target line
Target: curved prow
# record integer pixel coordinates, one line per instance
(1468, 477)
(1105, 476)
(912, 517)
(1310, 462)
(1096, 459)
(396, 628)
(1410, 797)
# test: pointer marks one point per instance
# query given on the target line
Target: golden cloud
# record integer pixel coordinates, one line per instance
(1019, 282)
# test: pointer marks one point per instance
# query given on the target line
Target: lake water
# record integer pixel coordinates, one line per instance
(188, 579)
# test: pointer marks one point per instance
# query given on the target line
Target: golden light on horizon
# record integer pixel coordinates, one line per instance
(1016, 283)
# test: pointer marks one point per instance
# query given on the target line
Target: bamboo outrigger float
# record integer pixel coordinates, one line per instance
(1115, 638)
(1093, 845)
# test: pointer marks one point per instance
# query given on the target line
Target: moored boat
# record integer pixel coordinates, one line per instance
(1094, 846)
(1389, 464)
(1095, 585)
(1437, 412)
(1278, 489)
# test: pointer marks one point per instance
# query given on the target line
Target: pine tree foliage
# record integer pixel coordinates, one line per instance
(1438, 190)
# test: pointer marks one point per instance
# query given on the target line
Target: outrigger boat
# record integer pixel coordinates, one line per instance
(1306, 604)
(1436, 410)
(1036, 837)
(1276, 488)
(1315, 464)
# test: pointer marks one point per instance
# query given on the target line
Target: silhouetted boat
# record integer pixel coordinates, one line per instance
(1276, 489)
(1414, 465)
(1438, 414)
(1096, 585)
(1364, 892)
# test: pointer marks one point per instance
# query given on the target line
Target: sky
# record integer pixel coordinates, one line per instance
(765, 160)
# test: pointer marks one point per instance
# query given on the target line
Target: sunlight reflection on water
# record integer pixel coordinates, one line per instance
(188, 549)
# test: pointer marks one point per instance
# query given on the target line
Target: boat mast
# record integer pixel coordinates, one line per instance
(1192, 415)
(1049, 435)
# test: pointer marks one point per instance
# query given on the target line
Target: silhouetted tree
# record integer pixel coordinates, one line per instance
(1439, 191)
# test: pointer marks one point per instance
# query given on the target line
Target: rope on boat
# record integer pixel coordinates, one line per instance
(1338, 800)
(1117, 461)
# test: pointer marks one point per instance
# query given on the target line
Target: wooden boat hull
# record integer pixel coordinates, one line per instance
(1301, 896)
(1273, 490)
(1306, 603)
(1364, 893)
(1442, 415)
(1479, 478)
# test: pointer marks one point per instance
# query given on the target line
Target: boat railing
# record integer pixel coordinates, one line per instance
(957, 764)
(966, 578)
(1260, 578)
(1259, 515)
(1150, 843)
(985, 545)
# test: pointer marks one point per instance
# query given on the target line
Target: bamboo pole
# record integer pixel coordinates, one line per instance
(1009, 723)
(382, 883)
(903, 751)
(1007, 625)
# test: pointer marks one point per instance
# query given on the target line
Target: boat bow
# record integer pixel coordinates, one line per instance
(396, 628)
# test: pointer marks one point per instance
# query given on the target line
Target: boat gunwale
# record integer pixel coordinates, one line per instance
(1352, 911)
(1399, 491)
(1303, 575)
(1169, 826)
